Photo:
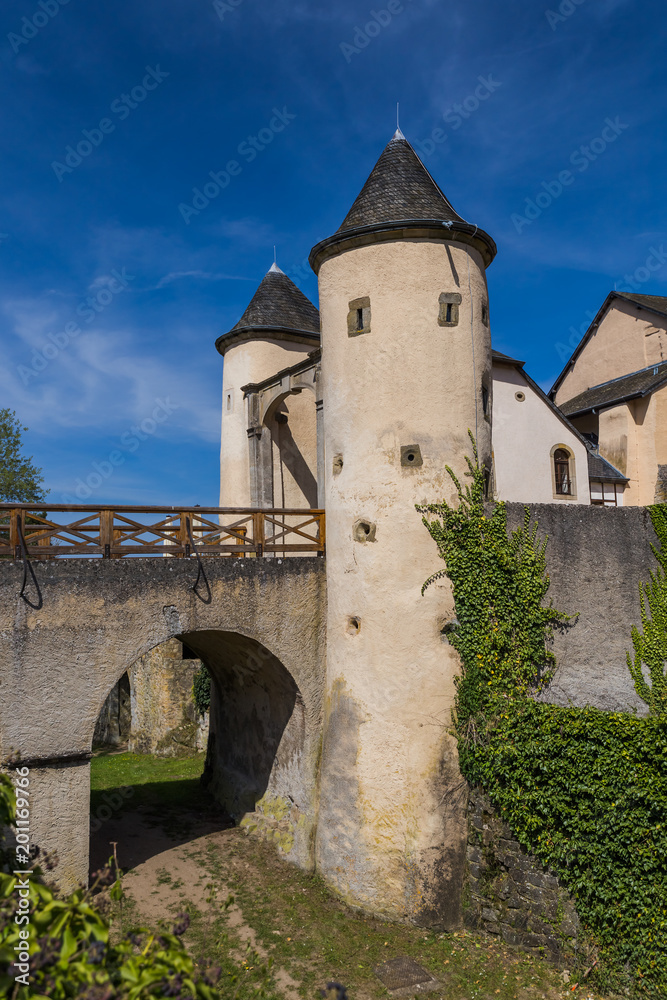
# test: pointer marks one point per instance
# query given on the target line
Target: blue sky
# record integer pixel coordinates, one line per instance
(121, 292)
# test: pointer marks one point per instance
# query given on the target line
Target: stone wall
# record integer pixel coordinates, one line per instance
(596, 558)
(510, 894)
(165, 720)
(114, 722)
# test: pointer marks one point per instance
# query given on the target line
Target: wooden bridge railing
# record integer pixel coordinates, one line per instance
(47, 531)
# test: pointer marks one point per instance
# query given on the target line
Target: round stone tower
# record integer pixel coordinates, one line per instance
(406, 374)
(279, 328)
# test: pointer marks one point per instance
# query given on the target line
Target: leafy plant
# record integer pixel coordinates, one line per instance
(651, 645)
(499, 585)
(20, 480)
(201, 690)
(584, 790)
(72, 953)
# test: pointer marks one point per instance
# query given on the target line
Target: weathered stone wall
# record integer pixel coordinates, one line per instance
(596, 558)
(59, 661)
(165, 720)
(510, 894)
(114, 722)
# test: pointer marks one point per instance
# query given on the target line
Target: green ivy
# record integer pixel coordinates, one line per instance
(651, 645)
(584, 790)
(201, 690)
(499, 584)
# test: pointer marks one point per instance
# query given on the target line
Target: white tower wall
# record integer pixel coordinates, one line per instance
(391, 833)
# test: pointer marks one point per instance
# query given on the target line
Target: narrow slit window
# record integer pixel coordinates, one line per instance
(448, 313)
(359, 316)
(485, 400)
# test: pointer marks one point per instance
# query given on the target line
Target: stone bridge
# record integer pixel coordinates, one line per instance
(260, 631)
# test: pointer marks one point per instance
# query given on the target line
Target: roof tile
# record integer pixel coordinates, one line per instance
(610, 393)
(399, 189)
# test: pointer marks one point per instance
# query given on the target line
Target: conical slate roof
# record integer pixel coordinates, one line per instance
(400, 199)
(277, 306)
(399, 188)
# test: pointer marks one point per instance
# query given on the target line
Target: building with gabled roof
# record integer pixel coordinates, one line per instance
(614, 391)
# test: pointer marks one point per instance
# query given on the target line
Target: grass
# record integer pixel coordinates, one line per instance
(264, 917)
(165, 789)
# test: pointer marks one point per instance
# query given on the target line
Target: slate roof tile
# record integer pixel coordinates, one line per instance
(279, 304)
(602, 471)
(631, 386)
(399, 189)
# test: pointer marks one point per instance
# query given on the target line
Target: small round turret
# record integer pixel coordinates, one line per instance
(279, 328)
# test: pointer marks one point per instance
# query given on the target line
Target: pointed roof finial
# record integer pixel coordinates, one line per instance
(274, 269)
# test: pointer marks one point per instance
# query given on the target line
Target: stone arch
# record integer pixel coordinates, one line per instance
(290, 417)
(58, 664)
(259, 735)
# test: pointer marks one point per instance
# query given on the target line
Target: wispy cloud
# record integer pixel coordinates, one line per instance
(200, 276)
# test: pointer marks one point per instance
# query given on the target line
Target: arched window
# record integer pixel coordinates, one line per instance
(563, 473)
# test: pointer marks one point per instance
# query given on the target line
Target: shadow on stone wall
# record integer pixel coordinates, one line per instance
(596, 558)
(260, 753)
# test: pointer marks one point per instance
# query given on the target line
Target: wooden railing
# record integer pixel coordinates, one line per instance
(45, 531)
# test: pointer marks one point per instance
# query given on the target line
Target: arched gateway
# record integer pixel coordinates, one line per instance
(262, 634)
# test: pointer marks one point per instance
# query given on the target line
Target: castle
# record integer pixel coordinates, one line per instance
(358, 409)
(595, 438)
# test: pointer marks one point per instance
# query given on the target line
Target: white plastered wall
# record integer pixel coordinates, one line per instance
(525, 433)
(391, 833)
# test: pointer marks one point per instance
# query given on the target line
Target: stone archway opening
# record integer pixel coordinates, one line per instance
(258, 745)
(254, 772)
(291, 423)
